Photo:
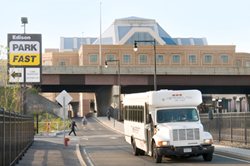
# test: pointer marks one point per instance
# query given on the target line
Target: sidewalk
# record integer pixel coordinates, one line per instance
(239, 153)
(50, 151)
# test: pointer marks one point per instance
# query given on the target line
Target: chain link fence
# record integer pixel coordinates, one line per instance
(234, 127)
(16, 135)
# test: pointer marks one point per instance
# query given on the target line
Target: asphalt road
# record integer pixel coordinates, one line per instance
(101, 146)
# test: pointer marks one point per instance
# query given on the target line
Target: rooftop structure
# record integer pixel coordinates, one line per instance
(125, 31)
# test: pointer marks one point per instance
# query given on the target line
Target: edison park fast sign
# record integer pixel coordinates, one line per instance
(24, 58)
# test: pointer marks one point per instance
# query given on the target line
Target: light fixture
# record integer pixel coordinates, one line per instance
(24, 20)
(135, 46)
(106, 64)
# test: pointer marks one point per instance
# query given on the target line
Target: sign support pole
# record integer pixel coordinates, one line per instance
(64, 99)
(64, 118)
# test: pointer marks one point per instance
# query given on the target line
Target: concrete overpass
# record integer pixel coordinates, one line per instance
(209, 80)
(224, 80)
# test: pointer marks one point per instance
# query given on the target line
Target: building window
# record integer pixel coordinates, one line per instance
(143, 58)
(192, 59)
(93, 58)
(159, 58)
(247, 63)
(208, 59)
(62, 63)
(68, 43)
(176, 59)
(224, 59)
(238, 63)
(110, 57)
(126, 59)
(47, 63)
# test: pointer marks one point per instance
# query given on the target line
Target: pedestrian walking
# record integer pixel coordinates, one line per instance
(73, 127)
(108, 114)
(84, 121)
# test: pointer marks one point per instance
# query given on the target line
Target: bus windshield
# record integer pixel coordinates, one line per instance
(177, 115)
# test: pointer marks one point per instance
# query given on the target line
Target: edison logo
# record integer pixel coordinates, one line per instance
(24, 59)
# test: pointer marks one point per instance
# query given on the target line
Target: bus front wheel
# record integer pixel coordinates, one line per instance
(157, 157)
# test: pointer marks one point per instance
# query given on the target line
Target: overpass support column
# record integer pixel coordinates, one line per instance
(103, 99)
(247, 100)
(116, 102)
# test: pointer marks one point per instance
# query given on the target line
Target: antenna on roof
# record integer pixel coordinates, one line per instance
(100, 39)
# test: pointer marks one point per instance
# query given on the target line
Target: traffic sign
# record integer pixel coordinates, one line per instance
(16, 75)
(25, 52)
(64, 98)
(32, 74)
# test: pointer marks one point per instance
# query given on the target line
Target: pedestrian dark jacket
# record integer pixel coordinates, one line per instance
(73, 125)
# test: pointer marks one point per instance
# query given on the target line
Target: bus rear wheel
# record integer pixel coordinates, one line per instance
(136, 151)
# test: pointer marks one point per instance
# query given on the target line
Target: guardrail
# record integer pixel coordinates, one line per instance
(16, 135)
(161, 70)
(234, 127)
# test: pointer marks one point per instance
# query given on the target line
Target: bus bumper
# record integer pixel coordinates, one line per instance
(185, 151)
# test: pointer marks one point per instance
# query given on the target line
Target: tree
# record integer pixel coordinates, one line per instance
(9, 94)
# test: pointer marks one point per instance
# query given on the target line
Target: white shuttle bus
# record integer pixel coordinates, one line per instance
(166, 123)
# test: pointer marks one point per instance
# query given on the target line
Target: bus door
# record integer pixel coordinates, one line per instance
(148, 129)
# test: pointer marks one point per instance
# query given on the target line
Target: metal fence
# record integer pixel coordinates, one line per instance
(234, 127)
(16, 135)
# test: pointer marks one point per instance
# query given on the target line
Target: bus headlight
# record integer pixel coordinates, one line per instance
(208, 141)
(163, 143)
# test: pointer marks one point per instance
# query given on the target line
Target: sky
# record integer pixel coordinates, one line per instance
(222, 22)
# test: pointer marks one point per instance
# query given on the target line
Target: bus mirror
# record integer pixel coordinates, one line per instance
(210, 114)
(149, 118)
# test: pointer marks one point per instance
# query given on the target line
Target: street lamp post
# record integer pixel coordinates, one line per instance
(24, 21)
(118, 83)
(154, 45)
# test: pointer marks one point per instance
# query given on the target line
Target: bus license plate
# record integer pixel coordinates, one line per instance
(187, 150)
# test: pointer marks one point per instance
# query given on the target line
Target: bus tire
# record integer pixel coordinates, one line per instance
(136, 151)
(142, 152)
(156, 156)
(207, 156)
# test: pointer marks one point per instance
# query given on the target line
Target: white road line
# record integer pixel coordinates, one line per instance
(232, 158)
(101, 136)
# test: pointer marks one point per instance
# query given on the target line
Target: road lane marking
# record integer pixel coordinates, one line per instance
(101, 136)
(232, 158)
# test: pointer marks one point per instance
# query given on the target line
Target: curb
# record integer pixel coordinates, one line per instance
(104, 124)
(79, 156)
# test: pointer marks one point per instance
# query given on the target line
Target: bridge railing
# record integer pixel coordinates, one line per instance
(234, 127)
(16, 135)
(161, 70)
